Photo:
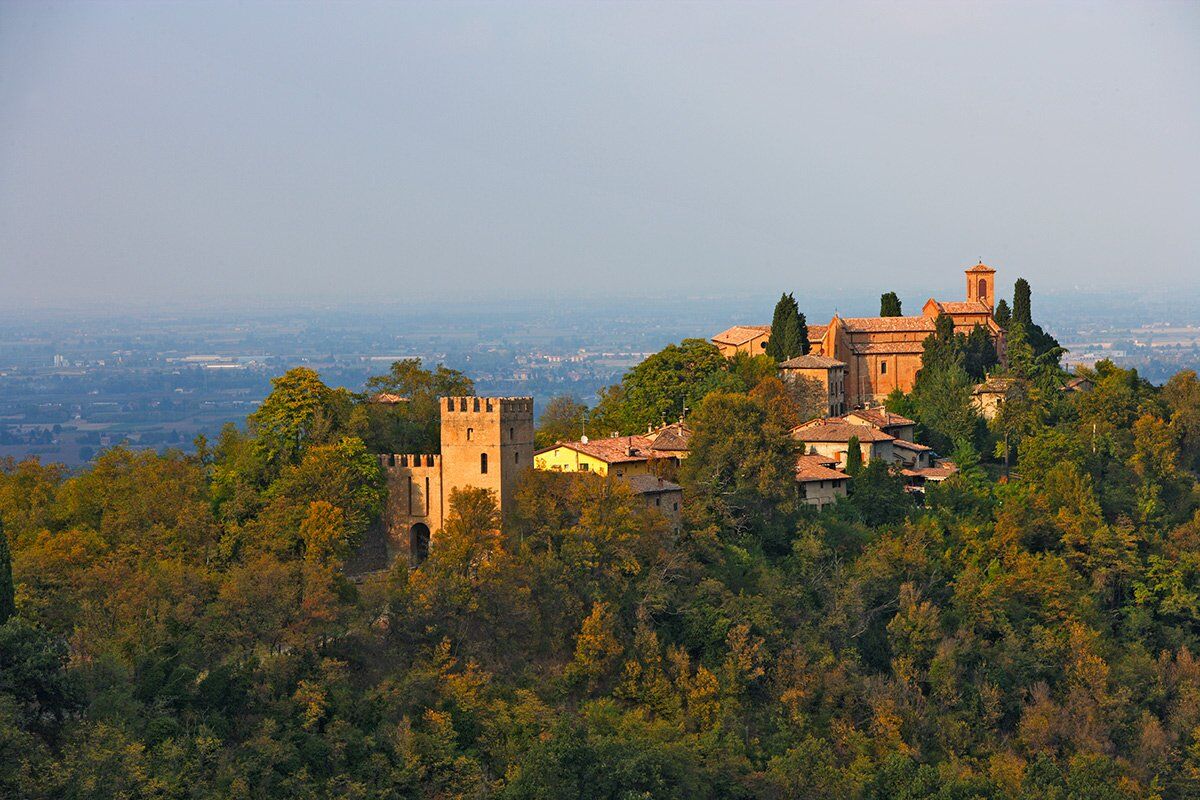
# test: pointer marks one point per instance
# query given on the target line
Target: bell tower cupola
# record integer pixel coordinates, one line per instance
(981, 285)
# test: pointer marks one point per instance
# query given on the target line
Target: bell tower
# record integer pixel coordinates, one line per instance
(981, 285)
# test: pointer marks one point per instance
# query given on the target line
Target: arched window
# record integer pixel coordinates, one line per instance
(470, 433)
(982, 293)
(517, 457)
(418, 543)
(483, 463)
(883, 368)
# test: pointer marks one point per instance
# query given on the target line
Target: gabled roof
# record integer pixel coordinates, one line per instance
(740, 334)
(963, 307)
(815, 468)
(994, 385)
(879, 417)
(811, 361)
(888, 324)
(675, 437)
(387, 399)
(617, 450)
(981, 267)
(837, 431)
(911, 446)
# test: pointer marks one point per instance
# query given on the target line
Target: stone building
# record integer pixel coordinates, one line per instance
(884, 353)
(486, 443)
(821, 483)
(829, 375)
(656, 452)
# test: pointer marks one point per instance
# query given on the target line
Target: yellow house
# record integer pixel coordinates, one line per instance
(620, 456)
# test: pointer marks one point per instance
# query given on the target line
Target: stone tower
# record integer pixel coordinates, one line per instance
(981, 285)
(486, 443)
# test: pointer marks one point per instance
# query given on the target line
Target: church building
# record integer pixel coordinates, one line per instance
(879, 354)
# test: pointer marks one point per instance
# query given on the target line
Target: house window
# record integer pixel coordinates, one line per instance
(470, 433)
(483, 463)
(584, 468)
(658, 501)
(883, 368)
(675, 506)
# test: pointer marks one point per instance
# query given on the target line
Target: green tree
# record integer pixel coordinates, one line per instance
(299, 411)
(1022, 307)
(8, 606)
(741, 472)
(854, 459)
(561, 421)
(789, 331)
(1002, 314)
(662, 386)
(889, 305)
(412, 425)
(979, 354)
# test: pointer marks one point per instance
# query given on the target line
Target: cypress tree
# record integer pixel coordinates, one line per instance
(854, 459)
(1022, 310)
(1002, 315)
(789, 331)
(8, 605)
(889, 305)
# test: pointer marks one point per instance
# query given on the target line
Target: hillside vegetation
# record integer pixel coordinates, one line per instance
(181, 626)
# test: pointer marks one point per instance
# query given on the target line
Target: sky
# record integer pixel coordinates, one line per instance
(253, 152)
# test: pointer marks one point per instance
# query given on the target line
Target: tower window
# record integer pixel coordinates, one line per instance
(483, 463)
(470, 433)
(517, 457)
(883, 368)
(512, 434)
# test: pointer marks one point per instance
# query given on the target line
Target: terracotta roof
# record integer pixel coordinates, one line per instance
(913, 446)
(816, 332)
(387, 399)
(811, 362)
(879, 417)
(981, 267)
(1077, 384)
(887, 348)
(650, 484)
(814, 468)
(617, 450)
(837, 431)
(963, 307)
(740, 334)
(994, 386)
(675, 437)
(930, 473)
(888, 324)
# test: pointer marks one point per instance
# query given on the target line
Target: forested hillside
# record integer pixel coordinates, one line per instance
(182, 626)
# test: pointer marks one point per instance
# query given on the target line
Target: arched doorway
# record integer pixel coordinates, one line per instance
(418, 543)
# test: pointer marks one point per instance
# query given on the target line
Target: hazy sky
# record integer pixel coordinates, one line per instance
(393, 151)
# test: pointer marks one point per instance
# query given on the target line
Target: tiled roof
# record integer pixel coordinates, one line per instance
(387, 399)
(981, 267)
(879, 417)
(837, 431)
(913, 446)
(963, 307)
(811, 362)
(651, 484)
(816, 332)
(618, 450)
(994, 386)
(887, 348)
(815, 468)
(930, 473)
(740, 334)
(888, 324)
(675, 437)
